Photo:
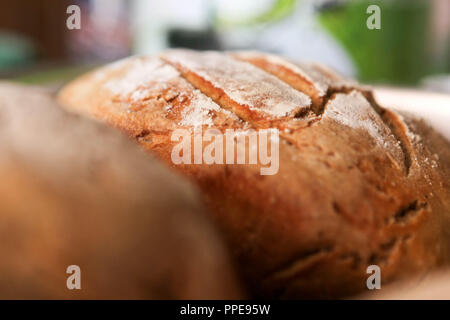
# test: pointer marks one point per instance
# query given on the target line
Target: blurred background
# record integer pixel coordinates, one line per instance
(412, 48)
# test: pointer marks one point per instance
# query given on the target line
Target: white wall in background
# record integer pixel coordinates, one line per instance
(240, 10)
(152, 18)
(299, 36)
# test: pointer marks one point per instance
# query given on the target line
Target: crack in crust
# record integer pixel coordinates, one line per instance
(248, 90)
(300, 262)
(398, 128)
(292, 269)
(410, 212)
(315, 81)
(321, 85)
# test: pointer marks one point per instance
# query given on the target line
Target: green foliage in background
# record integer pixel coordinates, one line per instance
(398, 53)
(54, 76)
(278, 11)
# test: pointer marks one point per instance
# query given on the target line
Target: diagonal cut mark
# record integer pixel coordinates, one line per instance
(258, 121)
(408, 212)
(282, 69)
(301, 262)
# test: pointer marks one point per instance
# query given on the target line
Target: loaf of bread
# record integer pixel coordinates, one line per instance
(357, 184)
(75, 192)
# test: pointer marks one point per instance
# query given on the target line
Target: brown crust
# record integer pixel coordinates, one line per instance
(339, 202)
(287, 75)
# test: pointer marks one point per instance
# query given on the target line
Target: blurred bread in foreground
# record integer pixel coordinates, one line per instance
(74, 192)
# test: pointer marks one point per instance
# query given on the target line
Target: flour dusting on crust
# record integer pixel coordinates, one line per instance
(354, 111)
(314, 74)
(199, 111)
(143, 74)
(307, 72)
(242, 82)
(147, 75)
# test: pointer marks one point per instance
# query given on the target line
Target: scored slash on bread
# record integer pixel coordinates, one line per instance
(313, 79)
(231, 83)
(353, 188)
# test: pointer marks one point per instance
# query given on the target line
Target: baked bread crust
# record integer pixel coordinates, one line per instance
(76, 192)
(357, 184)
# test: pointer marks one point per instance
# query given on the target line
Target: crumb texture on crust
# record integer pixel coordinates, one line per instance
(357, 184)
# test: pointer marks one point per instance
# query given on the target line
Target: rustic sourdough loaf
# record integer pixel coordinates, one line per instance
(357, 184)
(75, 192)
